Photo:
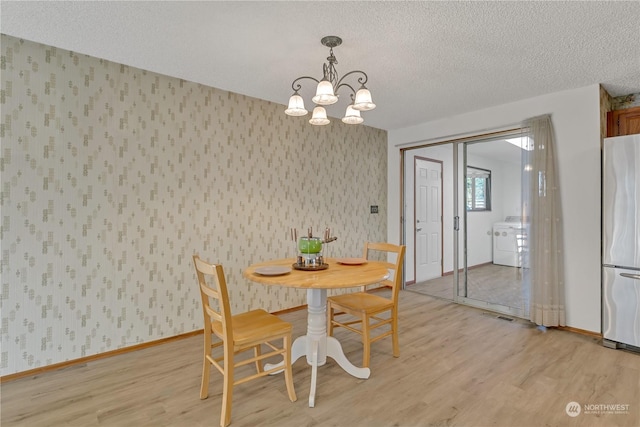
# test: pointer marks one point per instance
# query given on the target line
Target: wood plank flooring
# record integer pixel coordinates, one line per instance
(459, 366)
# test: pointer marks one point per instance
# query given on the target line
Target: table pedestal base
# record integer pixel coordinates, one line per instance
(316, 345)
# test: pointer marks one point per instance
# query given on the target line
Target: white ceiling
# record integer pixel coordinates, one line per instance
(425, 59)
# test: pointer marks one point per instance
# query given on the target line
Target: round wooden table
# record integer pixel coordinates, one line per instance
(316, 345)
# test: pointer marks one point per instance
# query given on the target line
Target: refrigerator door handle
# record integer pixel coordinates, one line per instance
(631, 276)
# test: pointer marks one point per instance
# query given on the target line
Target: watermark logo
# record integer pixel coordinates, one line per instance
(573, 409)
(606, 409)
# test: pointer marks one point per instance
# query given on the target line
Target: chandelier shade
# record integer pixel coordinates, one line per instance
(296, 106)
(352, 116)
(363, 100)
(324, 93)
(327, 91)
(319, 117)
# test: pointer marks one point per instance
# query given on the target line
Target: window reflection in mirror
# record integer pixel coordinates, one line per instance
(478, 189)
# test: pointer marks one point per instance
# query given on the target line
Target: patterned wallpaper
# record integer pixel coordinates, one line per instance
(112, 177)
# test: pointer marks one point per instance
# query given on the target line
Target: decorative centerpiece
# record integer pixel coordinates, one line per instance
(309, 249)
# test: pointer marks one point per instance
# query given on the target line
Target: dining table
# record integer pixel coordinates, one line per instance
(337, 274)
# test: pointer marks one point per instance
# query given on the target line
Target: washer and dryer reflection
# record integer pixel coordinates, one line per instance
(509, 241)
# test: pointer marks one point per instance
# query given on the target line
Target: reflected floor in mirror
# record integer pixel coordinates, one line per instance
(496, 284)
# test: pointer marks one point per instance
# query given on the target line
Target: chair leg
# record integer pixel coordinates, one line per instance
(329, 320)
(394, 334)
(206, 368)
(288, 374)
(366, 344)
(227, 389)
(257, 351)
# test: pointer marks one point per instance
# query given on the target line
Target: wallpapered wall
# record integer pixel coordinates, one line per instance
(112, 177)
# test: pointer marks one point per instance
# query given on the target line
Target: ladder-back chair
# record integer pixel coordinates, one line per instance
(236, 334)
(349, 310)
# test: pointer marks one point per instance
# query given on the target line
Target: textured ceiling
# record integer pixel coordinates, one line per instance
(425, 59)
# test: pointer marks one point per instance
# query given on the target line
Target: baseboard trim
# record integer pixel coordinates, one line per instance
(580, 331)
(460, 270)
(124, 350)
(290, 310)
(68, 363)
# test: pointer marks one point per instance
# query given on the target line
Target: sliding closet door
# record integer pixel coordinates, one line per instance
(493, 233)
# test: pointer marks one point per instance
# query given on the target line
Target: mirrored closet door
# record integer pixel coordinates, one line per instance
(463, 225)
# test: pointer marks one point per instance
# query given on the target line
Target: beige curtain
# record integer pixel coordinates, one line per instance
(541, 207)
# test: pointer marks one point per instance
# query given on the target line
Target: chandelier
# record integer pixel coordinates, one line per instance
(327, 91)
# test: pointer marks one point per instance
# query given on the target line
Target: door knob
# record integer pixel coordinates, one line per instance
(418, 229)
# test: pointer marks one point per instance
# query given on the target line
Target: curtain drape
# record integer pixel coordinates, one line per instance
(542, 209)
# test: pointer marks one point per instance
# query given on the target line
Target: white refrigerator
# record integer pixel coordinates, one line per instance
(621, 242)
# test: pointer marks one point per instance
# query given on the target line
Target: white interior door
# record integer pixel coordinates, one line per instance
(428, 215)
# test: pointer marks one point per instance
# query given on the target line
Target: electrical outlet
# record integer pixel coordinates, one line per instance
(374, 209)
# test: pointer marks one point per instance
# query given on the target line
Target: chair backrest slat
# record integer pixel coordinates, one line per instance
(213, 287)
(395, 268)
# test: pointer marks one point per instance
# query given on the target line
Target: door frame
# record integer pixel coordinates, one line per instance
(407, 211)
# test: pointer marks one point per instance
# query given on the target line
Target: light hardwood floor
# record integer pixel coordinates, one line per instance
(458, 366)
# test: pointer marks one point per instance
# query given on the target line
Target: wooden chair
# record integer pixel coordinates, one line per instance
(237, 334)
(364, 308)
